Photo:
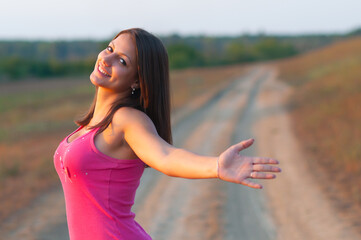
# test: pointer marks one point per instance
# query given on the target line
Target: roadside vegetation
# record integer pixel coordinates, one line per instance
(327, 114)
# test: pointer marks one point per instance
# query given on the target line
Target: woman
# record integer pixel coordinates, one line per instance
(126, 129)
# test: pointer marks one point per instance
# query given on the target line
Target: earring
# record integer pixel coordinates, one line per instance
(133, 90)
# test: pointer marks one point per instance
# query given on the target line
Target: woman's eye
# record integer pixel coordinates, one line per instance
(122, 61)
(110, 49)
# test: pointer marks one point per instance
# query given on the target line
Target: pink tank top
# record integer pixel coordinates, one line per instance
(99, 191)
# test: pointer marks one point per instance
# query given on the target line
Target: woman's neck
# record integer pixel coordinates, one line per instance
(104, 102)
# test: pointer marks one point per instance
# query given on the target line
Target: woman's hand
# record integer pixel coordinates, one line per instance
(233, 167)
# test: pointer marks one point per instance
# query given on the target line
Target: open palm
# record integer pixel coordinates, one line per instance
(233, 167)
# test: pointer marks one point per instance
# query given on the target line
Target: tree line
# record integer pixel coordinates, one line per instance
(182, 55)
(42, 59)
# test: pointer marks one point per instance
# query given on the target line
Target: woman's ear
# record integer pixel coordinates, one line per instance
(135, 84)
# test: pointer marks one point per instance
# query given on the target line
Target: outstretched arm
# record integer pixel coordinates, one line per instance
(142, 137)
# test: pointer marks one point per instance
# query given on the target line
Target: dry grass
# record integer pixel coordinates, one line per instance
(36, 116)
(189, 83)
(327, 113)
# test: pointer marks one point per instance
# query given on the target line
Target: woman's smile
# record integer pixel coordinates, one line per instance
(103, 71)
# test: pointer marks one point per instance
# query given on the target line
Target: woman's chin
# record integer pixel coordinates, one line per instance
(94, 79)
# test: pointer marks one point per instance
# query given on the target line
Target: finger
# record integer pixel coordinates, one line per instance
(244, 144)
(265, 168)
(248, 183)
(261, 175)
(263, 160)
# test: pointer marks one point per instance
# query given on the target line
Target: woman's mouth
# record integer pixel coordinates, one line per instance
(103, 71)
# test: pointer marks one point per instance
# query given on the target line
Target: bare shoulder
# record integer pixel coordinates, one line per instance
(127, 117)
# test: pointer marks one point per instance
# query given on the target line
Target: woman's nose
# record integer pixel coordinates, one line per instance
(105, 60)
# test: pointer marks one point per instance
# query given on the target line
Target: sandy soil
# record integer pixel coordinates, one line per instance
(291, 207)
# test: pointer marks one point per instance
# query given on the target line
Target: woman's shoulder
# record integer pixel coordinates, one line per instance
(128, 115)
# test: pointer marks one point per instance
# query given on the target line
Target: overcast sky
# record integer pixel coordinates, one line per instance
(83, 19)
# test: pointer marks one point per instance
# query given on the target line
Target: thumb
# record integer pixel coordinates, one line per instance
(244, 144)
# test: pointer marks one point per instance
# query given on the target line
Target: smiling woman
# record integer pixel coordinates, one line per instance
(126, 129)
(114, 68)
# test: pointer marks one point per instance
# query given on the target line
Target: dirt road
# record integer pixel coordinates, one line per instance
(290, 207)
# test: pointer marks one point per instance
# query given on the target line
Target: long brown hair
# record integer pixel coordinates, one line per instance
(152, 97)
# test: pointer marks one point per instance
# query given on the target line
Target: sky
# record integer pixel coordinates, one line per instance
(102, 19)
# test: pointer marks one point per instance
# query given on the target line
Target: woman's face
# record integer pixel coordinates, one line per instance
(116, 67)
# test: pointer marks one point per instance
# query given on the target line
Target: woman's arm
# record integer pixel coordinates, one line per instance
(141, 135)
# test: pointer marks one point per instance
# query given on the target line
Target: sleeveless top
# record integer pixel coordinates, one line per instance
(99, 190)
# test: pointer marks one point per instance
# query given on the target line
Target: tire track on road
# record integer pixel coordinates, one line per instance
(259, 225)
